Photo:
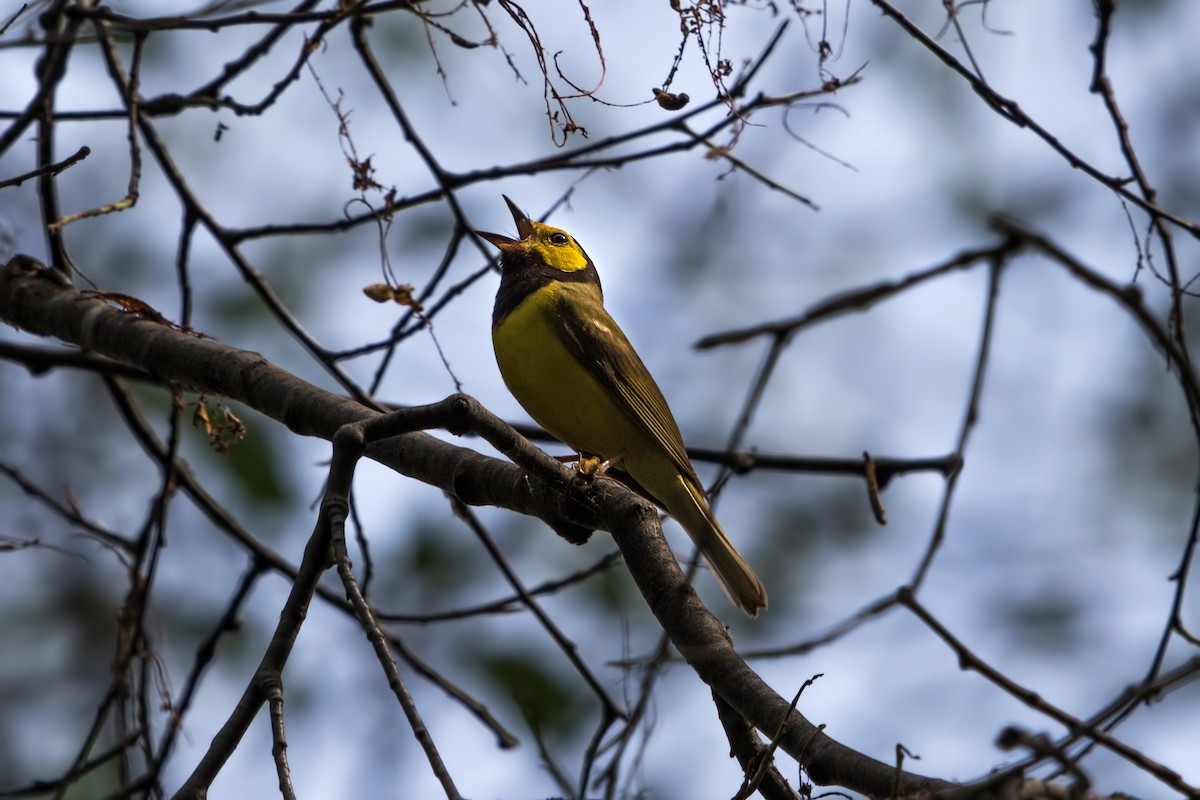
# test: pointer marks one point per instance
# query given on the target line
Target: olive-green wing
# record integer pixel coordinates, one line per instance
(595, 340)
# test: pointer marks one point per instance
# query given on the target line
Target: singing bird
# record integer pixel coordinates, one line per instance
(574, 371)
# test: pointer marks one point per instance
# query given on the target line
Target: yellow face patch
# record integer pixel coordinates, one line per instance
(557, 248)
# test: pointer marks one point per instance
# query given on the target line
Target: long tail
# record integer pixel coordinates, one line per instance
(736, 577)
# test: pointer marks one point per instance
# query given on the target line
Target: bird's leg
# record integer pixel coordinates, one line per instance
(612, 462)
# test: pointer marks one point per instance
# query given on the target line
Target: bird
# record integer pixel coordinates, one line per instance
(573, 370)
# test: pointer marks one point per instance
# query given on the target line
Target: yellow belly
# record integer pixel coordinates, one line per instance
(555, 389)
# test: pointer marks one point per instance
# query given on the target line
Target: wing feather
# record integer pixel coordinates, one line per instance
(599, 344)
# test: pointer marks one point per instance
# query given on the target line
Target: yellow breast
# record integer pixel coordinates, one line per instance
(557, 391)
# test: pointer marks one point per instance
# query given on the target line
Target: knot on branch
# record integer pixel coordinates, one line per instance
(350, 440)
(461, 411)
(270, 684)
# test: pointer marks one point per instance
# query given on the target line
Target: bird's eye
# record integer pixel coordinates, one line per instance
(558, 238)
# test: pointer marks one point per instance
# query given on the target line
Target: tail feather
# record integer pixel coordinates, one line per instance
(736, 576)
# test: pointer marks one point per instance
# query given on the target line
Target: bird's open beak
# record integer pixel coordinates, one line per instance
(524, 228)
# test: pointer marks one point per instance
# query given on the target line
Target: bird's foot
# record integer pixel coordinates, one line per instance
(591, 466)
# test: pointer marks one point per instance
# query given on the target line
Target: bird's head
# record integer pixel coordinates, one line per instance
(538, 243)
